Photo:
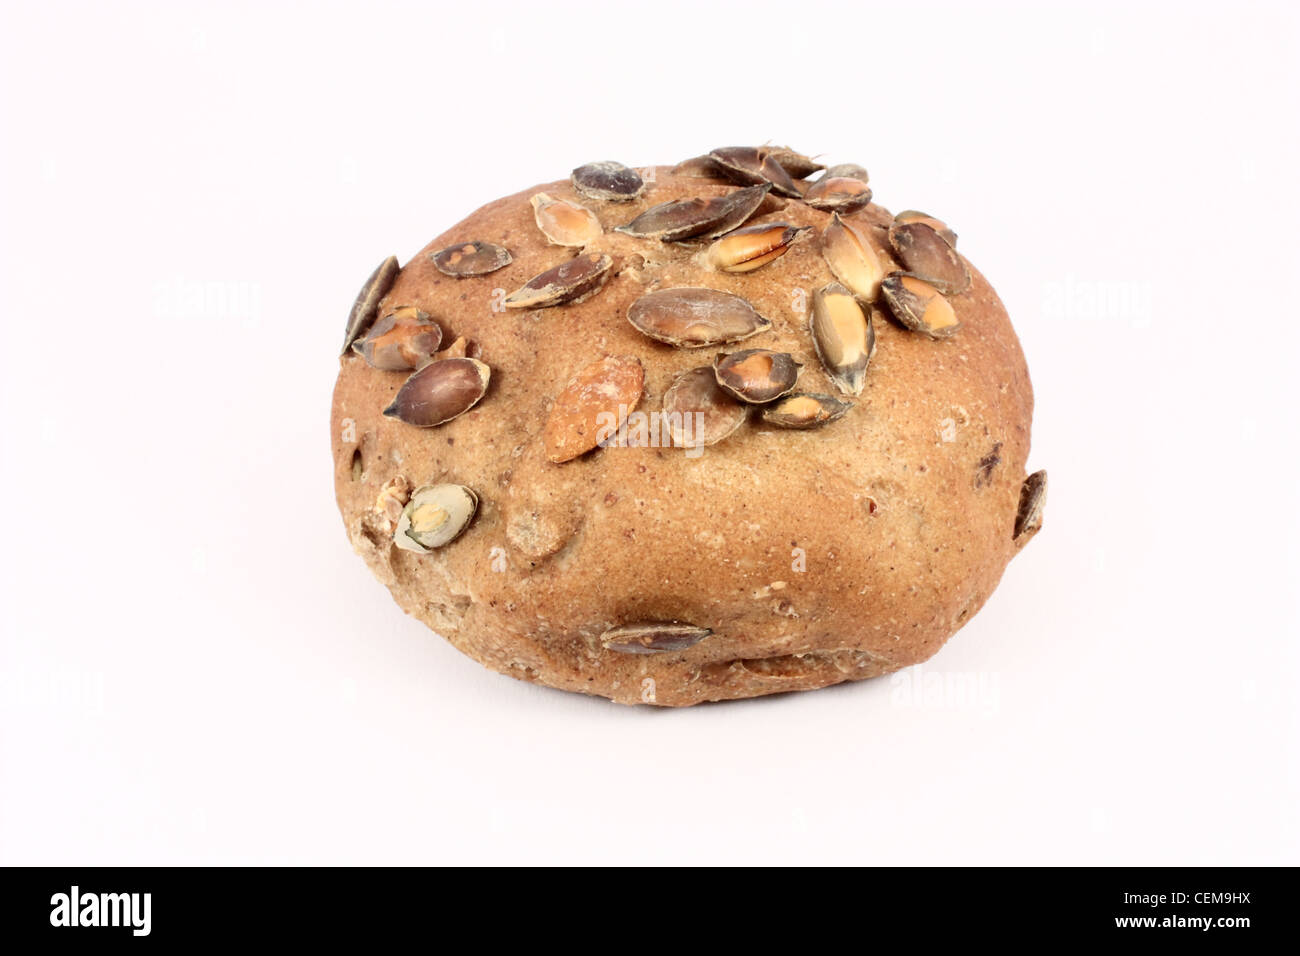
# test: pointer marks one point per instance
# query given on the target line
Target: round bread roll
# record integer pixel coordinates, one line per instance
(689, 433)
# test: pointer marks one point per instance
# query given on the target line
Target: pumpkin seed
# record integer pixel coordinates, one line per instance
(475, 258)
(748, 165)
(748, 248)
(696, 218)
(592, 406)
(653, 637)
(698, 412)
(607, 181)
(570, 281)
(843, 335)
(938, 225)
(852, 259)
(1033, 498)
(805, 410)
(756, 376)
(845, 171)
(838, 194)
(692, 318)
(366, 306)
(440, 391)
(436, 515)
(927, 255)
(699, 167)
(919, 306)
(797, 165)
(404, 338)
(565, 223)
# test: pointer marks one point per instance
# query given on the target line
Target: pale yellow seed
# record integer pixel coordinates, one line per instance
(428, 518)
(938, 312)
(847, 338)
(565, 223)
(852, 259)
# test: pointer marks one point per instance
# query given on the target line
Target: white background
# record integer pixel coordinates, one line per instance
(196, 669)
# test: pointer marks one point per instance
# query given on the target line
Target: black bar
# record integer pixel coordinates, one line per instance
(333, 906)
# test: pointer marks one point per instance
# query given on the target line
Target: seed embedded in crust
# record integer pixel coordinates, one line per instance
(440, 391)
(843, 335)
(919, 306)
(570, 281)
(749, 165)
(696, 218)
(805, 410)
(565, 223)
(927, 255)
(693, 318)
(845, 171)
(1033, 498)
(474, 258)
(607, 181)
(698, 412)
(756, 376)
(436, 515)
(938, 225)
(404, 338)
(392, 498)
(838, 194)
(748, 248)
(796, 164)
(653, 637)
(852, 259)
(366, 306)
(592, 406)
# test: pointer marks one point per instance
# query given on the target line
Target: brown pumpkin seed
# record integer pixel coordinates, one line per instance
(592, 406)
(699, 167)
(698, 412)
(797, 165)
(805, 410)
(435, 515)
(565, 223)
(843, 335)
(748, 248)
(570, 281)
(366, 306)
(919, 306)
(696, 218)
(440, 391)
(653, 637)
(1033, 499)
(748, 165)
(608, 181)
(466, 259)
(852, 259)
(404, 338)
(756, 376)
(938, 225)
(845, 171)
(838, 194)
(927, 255)
(692, 318)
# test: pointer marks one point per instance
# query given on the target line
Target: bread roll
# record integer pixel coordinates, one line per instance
(685, 434)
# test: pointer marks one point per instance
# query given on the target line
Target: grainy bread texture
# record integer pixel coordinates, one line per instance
(812, 557)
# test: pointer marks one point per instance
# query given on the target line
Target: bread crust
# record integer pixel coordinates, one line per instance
(815, 557)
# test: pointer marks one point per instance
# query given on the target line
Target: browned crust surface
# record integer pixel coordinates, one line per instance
(901, 513)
